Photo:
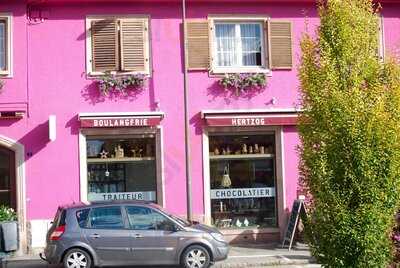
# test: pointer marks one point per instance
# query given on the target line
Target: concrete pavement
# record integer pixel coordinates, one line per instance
(255, 256)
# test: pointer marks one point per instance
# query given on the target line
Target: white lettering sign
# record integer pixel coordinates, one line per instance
(253, 121)
(242, 193)
(146, 196)
(120, 122)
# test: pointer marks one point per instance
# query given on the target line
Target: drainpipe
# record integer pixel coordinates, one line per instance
(187, 123)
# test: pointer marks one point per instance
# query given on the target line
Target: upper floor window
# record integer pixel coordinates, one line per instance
(239, 44)
(117, 44)
(5, 45)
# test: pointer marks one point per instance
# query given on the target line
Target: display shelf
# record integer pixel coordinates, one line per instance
(115, 160)
(241, 156)
(109, 181)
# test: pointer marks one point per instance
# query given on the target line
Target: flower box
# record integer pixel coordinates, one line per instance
(9, 236)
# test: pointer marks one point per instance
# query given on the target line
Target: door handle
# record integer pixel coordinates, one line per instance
(138, 236)
(95, 236)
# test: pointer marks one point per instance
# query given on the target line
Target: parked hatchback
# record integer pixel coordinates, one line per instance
(130, 233)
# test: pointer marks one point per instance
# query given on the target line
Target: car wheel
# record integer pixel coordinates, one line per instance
(77, 258)
(195, 257)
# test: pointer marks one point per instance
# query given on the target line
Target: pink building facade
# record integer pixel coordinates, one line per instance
(63, 141)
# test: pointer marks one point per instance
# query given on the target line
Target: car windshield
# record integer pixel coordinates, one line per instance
(180, 220)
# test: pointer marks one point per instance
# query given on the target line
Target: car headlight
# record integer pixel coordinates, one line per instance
(218, 237)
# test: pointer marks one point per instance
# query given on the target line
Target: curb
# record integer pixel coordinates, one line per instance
(263, 263)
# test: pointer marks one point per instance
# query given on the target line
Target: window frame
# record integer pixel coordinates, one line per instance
(237, 20)
(89, 56)
(152, 211)
(7, 18)
(123, 216)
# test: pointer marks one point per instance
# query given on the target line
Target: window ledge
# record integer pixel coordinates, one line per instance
(240, 70)
(95, 75)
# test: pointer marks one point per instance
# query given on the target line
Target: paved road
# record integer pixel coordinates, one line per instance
(40, 264)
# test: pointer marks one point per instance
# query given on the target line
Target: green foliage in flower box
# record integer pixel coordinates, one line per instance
(7, 214)
(350, 135)
(120, 83)
(243, 81)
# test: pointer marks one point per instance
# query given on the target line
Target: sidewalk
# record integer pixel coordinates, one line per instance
(256, 256)
(262, 255)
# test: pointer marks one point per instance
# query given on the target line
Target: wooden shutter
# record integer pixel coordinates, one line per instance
(280, 44)
(134, 45)
(104, 45)
(198, 44)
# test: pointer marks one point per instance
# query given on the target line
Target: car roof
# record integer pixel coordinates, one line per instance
(81, 205)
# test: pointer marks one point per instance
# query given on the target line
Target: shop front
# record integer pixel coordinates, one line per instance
(120, 157)
(243, 167)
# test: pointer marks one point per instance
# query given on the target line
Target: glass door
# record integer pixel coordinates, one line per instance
(7, 178)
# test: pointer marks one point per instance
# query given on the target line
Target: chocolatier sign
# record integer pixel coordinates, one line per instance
(237, 193)
(249, 120)
(116, 122)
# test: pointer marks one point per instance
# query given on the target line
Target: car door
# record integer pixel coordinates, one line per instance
(108, 234)
(154, 236)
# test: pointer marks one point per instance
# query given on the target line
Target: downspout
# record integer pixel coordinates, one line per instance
(187, 123)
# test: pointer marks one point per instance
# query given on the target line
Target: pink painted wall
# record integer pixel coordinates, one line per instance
(55, 83)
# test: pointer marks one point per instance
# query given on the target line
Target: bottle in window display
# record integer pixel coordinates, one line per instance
(262, 150)
(244, 148)
(256, 149)
(119, 151)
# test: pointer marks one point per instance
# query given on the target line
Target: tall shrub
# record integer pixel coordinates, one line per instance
(350, 133)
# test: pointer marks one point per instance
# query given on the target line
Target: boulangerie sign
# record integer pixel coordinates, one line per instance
(146, 196)
(249, 120)
(116, 122)
(237, 193)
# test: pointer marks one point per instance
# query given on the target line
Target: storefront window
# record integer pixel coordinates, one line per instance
(243, 181)
(122, 168)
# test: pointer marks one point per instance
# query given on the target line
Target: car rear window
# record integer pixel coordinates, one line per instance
(82, 216)
(59, 219)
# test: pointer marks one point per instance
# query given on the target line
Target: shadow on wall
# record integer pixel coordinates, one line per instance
(36, 139)
(73, 125)
(8, 122)
(197, 122)
(216, 91)
(93, 95)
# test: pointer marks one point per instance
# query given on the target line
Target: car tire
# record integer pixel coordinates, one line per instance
(77, 256)
(195, 256)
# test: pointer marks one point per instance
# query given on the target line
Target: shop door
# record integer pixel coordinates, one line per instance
(7, 178)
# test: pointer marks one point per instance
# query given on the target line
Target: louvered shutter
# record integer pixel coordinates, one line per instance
(198, 44)
(104, 45)
(280, 44)
(135, 45)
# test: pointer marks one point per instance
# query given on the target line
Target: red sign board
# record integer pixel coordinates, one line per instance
(118, 122)
(248, 120)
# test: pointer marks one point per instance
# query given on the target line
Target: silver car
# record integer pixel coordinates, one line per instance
(130, 233)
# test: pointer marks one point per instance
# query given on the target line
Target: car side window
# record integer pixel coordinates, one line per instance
(106, 218)
(143, 218)
(82, 216)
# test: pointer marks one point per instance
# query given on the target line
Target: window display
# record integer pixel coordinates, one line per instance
(121, 168)
(242, 177)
